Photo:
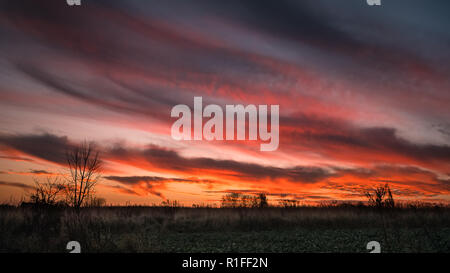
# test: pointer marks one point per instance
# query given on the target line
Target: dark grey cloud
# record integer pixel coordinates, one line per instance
(354, 190)
(123, 189)
(289, 19)
(30, 172)
(17, 185)
(330, 134)
(16, 158)
(45, 146)
(148, 184)
(386, 140)
(40, 172)
(171, 160)
(427, 181)
(131, 180)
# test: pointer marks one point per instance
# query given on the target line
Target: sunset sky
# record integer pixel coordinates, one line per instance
(364, 95)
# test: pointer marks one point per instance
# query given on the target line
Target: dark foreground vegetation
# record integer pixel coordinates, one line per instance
(342, 228)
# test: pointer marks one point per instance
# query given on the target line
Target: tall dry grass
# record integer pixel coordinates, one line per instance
(162, 229)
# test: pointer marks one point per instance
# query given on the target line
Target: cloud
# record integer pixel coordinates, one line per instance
(150, 184)
(290, 20)
(44, 146)
(130, 180)
(155, 157)
(16, 158)
(30, 172)
(122, 189)
(140, 184)
(17, 184)
(40, 172)
(343, 141)
(404, 180)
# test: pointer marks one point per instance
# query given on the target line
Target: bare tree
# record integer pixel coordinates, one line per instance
(262, 200)
(46, 193)
(85, 171)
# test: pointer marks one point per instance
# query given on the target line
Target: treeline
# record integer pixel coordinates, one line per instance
(238, 200)
(380, 197)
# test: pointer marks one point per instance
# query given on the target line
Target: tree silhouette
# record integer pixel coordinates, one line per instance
(381, 197)
(46, 193)
(262, 200)
(85, 171)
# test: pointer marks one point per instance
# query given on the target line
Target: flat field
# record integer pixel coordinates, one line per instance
(252, 230)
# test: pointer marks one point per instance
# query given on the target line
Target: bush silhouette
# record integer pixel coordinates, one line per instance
(381, 197)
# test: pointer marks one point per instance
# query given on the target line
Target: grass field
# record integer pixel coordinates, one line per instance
(166, 229)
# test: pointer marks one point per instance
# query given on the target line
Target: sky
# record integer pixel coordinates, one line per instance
(363, 91)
